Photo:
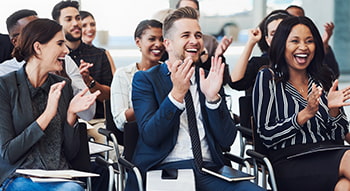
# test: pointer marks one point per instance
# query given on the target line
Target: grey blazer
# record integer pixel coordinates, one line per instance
(19, 130)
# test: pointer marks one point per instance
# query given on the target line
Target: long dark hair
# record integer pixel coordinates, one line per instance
(319, 71)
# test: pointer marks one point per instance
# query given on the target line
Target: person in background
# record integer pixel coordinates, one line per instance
(329, 58)
(5, 47)
(15, 23)
(92, 62)
(158, 97)
(297, 107)
(38, 111)
(244, 73)
(89, 33)
(149, 39)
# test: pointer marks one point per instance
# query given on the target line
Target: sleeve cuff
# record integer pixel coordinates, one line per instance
(215, 104)
(179, 105)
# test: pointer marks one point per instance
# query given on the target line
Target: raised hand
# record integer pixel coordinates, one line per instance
(181, 73)
(84, 71)
(211, 85)
(337, 98)
(53, 98)
(52, 104)
(223, 45)
(313, 100)
(254, 35)
(80, 102)
(328, 31)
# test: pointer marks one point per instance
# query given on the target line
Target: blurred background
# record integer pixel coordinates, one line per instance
(117, 20)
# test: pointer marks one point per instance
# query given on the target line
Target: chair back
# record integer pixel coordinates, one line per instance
(247, 120)
(82, 160)
(110, 125)
(245, 115)
(131, 134)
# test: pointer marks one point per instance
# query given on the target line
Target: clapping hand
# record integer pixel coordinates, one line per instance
(313, 100)
(181, 73)
(338, 98)
(84, 71)
(80, 102)
(223, 45)
(212, 84)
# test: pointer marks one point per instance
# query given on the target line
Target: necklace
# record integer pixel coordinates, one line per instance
(298, 88)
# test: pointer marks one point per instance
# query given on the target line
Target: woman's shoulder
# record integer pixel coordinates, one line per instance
(266, 72)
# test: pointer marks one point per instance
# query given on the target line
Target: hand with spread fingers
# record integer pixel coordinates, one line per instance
(223, 45)
(337, 98)
(211, 84)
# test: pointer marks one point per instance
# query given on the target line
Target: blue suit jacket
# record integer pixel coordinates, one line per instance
(19, 130)
(158, 120)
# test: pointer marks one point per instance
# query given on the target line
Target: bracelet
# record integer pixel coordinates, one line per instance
(215, 101)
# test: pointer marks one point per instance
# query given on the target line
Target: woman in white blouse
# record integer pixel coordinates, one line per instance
(149, 39)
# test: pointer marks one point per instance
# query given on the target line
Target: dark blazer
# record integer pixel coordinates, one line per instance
(18, 129)
(158, 120)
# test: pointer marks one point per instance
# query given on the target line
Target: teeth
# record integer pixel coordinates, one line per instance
(192, 50)
(301, 55)
(61, 59)
(156, 51)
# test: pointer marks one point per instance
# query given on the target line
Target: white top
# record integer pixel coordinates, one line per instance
(73, 73)
(183, 147)
(121, 93)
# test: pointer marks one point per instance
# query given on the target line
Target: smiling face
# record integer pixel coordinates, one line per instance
(185, 40)
(52, 53)
(300, 48)
(71, 23)
(151, 44)
(88, 30)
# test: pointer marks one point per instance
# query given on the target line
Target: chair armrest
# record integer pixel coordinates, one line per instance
(126, 164)
(105, 132)
(234, 158)
(246, 132)
(256, 155)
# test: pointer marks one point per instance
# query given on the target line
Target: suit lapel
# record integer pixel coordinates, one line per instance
(24, 107)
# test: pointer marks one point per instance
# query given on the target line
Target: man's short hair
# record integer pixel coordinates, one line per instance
(12, 20)
(56, 11)
(194, 1)
(180, 13)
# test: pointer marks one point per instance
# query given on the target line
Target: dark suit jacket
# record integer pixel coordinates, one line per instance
(18, 129)
(158, 120)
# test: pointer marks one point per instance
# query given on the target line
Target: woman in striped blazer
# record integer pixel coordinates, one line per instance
(297, 108)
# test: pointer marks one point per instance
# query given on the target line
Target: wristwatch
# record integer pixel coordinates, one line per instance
(92, 84)
(215, 101)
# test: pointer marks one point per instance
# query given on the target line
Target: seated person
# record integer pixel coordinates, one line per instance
(15, 23)
(38, 110)
(5, 47)
(244, 73)
(170, 136)
(149, 38)
(297, 108)
(89, 33)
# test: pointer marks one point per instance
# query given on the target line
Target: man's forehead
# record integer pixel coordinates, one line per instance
(186, 24)
(69, 12)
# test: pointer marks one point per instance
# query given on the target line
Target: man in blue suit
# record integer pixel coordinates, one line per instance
(158, 97)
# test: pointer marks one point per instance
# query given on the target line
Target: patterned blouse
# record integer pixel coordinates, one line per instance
(275, 109)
